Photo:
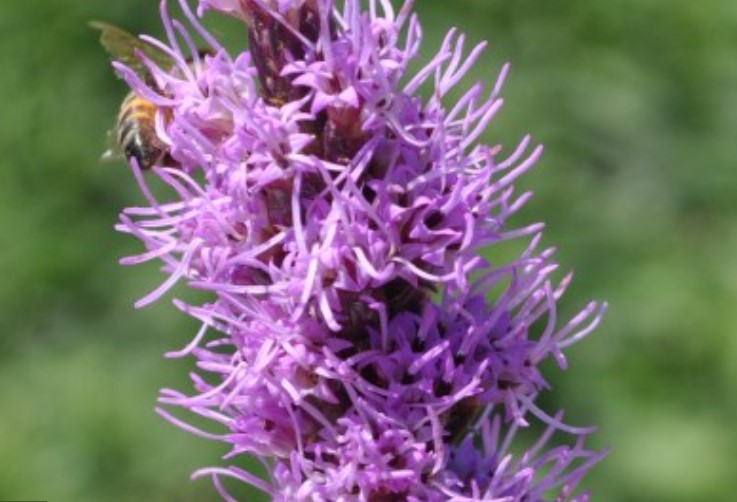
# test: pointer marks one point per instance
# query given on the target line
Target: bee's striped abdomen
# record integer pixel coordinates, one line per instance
(137, 131)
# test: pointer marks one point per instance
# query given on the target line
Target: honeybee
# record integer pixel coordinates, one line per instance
(134, 135)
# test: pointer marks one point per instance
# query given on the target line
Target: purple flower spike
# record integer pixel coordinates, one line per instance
(337, 218)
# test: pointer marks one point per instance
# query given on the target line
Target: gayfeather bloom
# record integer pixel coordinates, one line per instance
(337, 219)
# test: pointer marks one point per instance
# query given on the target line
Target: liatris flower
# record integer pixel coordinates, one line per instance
(337, 218)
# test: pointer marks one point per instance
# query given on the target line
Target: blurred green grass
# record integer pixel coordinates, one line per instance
(636, 102)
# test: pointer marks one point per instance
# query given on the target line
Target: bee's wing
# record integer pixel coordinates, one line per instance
(122, 46)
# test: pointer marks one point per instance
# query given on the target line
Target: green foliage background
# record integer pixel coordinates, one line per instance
(636, 102)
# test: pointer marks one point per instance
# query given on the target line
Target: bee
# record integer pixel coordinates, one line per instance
(134, 135)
